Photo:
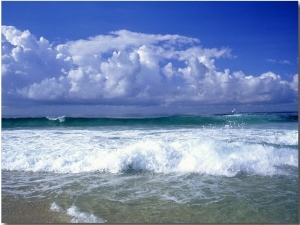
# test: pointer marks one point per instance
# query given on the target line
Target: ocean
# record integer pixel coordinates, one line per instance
(239, 168)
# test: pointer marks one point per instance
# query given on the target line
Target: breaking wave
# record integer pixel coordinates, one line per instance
(205, 151)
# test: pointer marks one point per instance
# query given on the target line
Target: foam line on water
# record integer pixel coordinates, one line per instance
(204, 151)
(77, 215)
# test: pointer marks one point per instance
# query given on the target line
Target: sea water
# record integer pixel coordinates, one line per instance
(236, 168)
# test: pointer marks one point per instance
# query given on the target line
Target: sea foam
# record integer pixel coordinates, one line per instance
(77, 215)
(205, 151)
(59, 118)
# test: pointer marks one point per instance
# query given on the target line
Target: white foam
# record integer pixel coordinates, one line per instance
(77, 215)
(54, 207)
(207, 151)
(60, 118)
(83, 217)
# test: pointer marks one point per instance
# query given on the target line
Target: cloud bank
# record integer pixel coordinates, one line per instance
(129, 68)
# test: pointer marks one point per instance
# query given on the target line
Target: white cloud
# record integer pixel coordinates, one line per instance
(294, 83)
(273, 61)
(125, 67)
(285, 62)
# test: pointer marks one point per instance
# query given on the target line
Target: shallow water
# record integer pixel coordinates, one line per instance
(144, 197)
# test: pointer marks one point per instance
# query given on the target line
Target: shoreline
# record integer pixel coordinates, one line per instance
(18, 210)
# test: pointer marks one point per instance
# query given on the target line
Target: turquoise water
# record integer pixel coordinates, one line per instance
(240, 168)
(214, 120)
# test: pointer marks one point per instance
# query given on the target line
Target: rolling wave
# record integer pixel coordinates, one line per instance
(204, 151)
(214, 120)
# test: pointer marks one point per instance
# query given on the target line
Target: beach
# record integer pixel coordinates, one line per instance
(150, 112)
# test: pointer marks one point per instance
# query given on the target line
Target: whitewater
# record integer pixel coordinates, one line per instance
(192, 169)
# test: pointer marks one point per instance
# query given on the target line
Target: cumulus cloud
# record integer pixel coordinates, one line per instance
(125, 67)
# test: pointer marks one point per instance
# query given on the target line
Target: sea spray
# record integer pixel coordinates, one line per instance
(205, 151)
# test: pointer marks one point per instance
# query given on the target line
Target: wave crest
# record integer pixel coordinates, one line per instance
(201, 151)
(60, 118)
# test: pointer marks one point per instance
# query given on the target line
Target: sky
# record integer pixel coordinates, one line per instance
(108, 58)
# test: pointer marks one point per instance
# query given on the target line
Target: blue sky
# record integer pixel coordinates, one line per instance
(223, 53)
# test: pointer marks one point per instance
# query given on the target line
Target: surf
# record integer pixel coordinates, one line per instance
(219, 152)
